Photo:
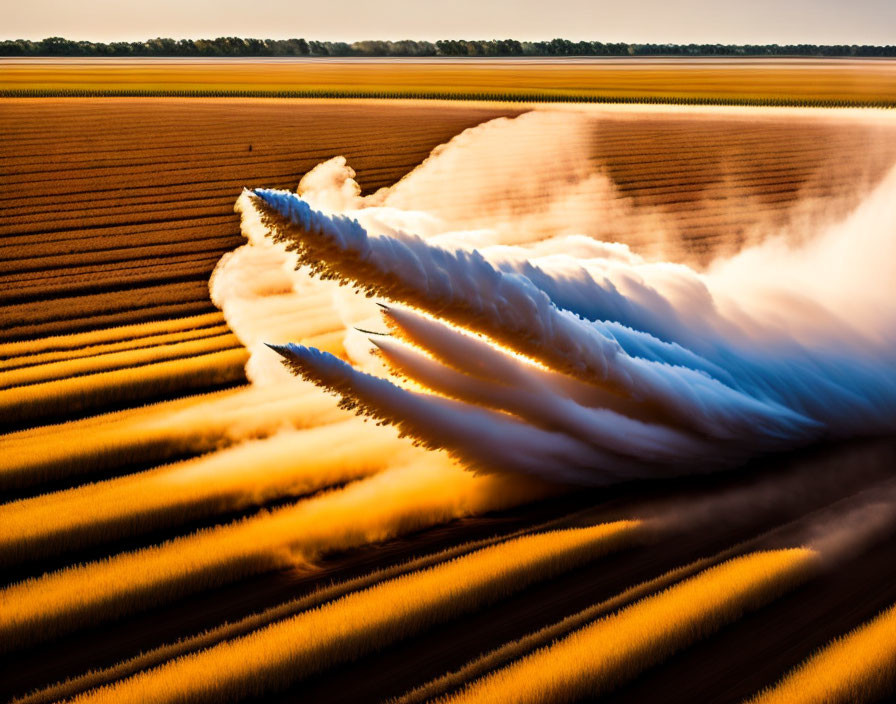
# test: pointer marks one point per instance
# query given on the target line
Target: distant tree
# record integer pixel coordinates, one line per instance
(57, 46)
(409, 47)
(371, 48)
(256, 47)
(451, 47)
(288, 47)
(161, 46)
(339, 49)
(16, 47)
(510, 47)
(186, 47)
(237, 46)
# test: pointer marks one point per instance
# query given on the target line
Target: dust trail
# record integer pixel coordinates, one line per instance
(542, 406)
(467, 289)
(479, 437)
(528, 339)
(745, 382)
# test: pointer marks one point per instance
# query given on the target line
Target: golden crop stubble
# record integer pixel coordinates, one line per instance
(428, 491)
(610, 651)
(229, 630)
(132, 359)
(359, 623)
(287, 464)
(512, 650)
(158, 432)
(25, 361)
(126, 336)
(823, 83)
(858, 667)
(84, 393)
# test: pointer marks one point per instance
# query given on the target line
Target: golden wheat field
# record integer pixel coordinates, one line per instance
(764, 81)
(184, 520)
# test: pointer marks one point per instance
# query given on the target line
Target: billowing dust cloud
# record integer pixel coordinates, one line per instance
(516, 339)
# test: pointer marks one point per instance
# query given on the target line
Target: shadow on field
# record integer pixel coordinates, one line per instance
(692, 518)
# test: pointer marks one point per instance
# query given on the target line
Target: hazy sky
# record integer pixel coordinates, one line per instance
(725, 21)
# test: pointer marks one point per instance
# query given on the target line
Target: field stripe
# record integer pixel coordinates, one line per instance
(33, 360)
(362, 622)
(393, 502)
(110, 335)
(521, 647)
(857, 667)
(227, 631)
(78, 395)
(595, 659)
(133, 358)
(78, 322)
(245, 476)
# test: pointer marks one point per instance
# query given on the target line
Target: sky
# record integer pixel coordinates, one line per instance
(674, 21)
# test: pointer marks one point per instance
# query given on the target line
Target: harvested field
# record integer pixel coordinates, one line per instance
(229, 480)
(147, 229)
(365, 620)
(763, 81)
(172, 500)
(415, 496)
(620, 646)
(860, 666)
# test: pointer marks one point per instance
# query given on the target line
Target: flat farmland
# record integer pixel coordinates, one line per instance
(745, 81)
(164, 517)
(117, 212)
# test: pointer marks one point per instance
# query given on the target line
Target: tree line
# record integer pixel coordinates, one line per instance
(236, 46)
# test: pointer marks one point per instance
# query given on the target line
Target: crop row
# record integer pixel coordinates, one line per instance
(253, 622)
(250, 474)
(27, 361)
(145, 436)
(362, 622)
(516, 649)
(256, 161)
(68, 397)
(85, 322)
(70, 344)
(857, 667)
(133, 359)
(400, 500)
(769, 101)
(192, 289)
(180, 268)
(595, 659)
(377, 143)
(260, 168)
